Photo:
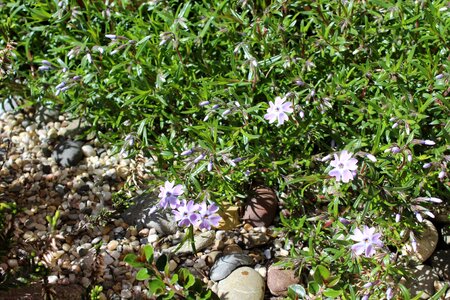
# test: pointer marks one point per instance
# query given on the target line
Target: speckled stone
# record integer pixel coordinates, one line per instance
(261, 207)
(244, 284)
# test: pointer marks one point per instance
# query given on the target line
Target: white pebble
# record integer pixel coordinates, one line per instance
(88, 150)
(52, 279)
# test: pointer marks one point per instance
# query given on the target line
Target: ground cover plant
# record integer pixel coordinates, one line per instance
(340, 106)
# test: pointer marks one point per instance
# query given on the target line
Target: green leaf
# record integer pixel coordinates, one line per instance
(439, 294)
(323, 271)
(296, 291)
(156, 286)
(131, 259)
(332, 293)
(142, 274)
(148, 251)
(161, 262)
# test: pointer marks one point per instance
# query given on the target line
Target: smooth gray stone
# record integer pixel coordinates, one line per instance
(227, 264)
(68, 153)
(146, 212)
(47, 114)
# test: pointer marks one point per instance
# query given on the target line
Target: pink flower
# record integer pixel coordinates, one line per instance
(277, 111)
(169, 194)
(367, 241)
(208, 217)
(344, 166)
(186, 213)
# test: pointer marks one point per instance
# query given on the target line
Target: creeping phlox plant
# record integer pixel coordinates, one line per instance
(341, 107)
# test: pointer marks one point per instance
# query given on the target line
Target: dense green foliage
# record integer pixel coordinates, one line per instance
(370, 77)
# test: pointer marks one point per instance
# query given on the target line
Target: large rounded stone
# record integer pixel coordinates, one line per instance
(243, 284)
(68, 153)
(440, 261)
(422, 280)
(227, 264)
(279, 280)
(146, 212)
(261, 207)
(426, 243)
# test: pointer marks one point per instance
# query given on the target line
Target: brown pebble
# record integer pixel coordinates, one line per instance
(230, 249)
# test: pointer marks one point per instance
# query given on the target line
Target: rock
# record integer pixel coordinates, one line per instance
(146, 212)
(422, 280)
(46, 115)
(68, 153)
(255, 239)
(261, 207)
(227, 264)
(88, 150)
(278, 280)
(243, 284)
(201, 241)
(445, 231)
(230, 217)
(440, 261)
(112, 245)
(426, 243)
(441, 212)
(232, 248)
(7, 105)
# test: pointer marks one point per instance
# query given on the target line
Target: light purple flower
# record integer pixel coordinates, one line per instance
(371, 157)
(389, 294)
(367, 241)
(208, 216)
(169, 194)
(186, 213)
(426, 165)
(277, 111)
(344, 166)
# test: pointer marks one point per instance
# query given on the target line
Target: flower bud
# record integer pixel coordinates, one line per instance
(426, 165)
(395, 149)
(111, 36)
(199, 158)
(210, 166)
(61, 85)
(397, 218)
(427, 142)
(371, 157)
(203, 103)
(187, 152)
(441, 174)
(226, 112)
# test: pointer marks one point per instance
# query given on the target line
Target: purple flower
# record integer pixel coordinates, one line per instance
(186, 213)
(344, 166)
(277, 111)
(169, 194)
(367, 241)
(208, 216)
(389, 294)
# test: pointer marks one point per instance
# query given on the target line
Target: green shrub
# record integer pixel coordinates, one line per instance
(196, 78)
